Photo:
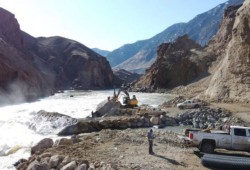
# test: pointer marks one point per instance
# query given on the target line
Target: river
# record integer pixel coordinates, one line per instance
(16, 119)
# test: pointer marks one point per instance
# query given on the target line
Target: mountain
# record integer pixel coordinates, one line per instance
(72, 64)
(20, 78)
(219, 71)
(140, 55)
(36, 67)
(101, 52)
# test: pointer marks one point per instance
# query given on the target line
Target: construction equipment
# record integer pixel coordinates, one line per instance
(126, 100)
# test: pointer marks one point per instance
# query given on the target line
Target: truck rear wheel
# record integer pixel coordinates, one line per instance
(207, 147)
(181, 107)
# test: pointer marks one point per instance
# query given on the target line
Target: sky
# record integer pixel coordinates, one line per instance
(104, 24)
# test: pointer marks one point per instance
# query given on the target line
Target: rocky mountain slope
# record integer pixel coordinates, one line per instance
(225, 62)
(231, 78)
(35, 67)
(73, 64)
(20, 78)
(140, 55)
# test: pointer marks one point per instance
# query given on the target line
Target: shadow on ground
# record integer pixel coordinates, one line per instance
(172, 161)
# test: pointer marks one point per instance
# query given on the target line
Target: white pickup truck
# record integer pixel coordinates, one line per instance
(238, 138)
(189, 104)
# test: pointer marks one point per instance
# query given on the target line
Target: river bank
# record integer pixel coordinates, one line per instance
(125, 149)
(128, 148)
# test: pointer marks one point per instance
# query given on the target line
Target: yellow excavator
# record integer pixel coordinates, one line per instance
(126, 100)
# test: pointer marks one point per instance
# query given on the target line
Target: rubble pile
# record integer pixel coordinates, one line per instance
(208, 118)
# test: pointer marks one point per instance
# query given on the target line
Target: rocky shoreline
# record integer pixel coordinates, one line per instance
(127, 127)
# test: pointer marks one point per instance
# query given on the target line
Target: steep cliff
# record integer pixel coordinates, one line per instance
(20, 80)
(231, 73)
(73, 64)
(177, 63)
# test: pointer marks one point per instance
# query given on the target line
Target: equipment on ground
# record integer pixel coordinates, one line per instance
(126, 100)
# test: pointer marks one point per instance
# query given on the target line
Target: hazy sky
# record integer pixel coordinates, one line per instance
(106, 24)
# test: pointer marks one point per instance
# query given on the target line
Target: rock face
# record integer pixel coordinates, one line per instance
(231, 79)
(141, 54)
(177, 64)
(35, 67)
(73, 64)
(20, 78)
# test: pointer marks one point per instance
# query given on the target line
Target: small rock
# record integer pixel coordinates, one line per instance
(82, 167)
(91, 167)
(55, 160)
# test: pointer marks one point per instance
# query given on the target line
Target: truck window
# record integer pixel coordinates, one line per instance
(240, 132)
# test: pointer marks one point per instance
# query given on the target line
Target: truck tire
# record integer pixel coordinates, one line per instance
(225, 162)
(207, 147)
(181, 107)
(196, 106)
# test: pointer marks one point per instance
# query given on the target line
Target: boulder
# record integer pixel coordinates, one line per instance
(82, 167)
(48, 122)
(35, 165)
(70, 166)
(55, 161)
(107, 108)
(42, 145)
(65, 161)
(154, 120)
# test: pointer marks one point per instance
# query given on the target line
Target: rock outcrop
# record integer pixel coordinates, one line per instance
(177, 64)
(231, 78)
(73, 64)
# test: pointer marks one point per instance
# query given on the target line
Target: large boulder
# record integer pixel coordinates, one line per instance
(49, 122)
(107, 108)
(35, 165)
(42, 145)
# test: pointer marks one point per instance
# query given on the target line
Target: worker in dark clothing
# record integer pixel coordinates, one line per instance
(151, 137)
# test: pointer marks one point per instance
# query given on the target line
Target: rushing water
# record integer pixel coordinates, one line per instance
(15, 119)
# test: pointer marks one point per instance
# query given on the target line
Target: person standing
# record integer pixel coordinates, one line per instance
(151, 137)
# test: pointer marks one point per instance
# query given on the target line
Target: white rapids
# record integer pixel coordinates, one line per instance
(15, 134)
